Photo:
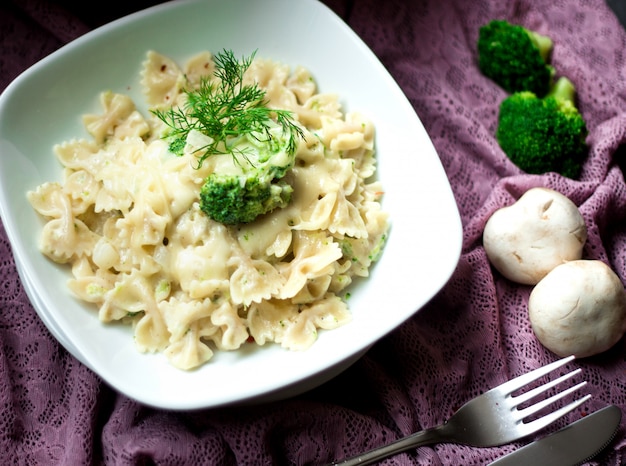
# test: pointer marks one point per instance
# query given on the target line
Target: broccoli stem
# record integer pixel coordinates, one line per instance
(543, 43)
(563, 90)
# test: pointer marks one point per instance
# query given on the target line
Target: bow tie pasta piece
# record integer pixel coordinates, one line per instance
(78, 154)
(162, 79)
(190, 351)
(253, 280)
(119, 120)
(314, 256)
(185, 320)
(294, 326)
(199, 67)
(64, 236)
(196, 256)
(327, 313)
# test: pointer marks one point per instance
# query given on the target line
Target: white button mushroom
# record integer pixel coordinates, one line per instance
(578, 308)
(526, 240)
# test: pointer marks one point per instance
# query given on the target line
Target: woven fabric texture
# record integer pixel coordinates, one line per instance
(473, 335)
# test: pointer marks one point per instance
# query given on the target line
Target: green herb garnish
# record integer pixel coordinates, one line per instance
(227, 110)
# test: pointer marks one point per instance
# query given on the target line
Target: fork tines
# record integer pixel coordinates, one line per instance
(508, 388)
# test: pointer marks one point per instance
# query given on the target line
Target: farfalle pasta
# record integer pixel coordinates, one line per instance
(126, 219)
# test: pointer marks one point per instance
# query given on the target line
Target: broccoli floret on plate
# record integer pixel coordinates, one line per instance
(544, 134)
(515, 58)
(255, 185)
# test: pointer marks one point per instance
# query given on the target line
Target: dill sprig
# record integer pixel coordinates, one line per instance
(226, 109)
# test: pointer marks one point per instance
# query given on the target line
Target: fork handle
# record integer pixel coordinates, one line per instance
(424, 437)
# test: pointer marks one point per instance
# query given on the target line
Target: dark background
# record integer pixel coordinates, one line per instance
(619, 7)
(95, 17)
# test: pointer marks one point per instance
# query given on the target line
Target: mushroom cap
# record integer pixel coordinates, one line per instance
(526, 240)
(578, 308)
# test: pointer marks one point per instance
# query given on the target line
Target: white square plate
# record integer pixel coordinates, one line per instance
(44, 105)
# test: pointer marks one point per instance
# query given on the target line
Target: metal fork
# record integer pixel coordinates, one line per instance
(491, 419)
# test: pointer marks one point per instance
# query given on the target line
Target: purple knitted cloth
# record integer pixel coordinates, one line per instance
(475, 333)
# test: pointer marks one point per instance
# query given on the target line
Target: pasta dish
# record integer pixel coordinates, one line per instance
(126, 219)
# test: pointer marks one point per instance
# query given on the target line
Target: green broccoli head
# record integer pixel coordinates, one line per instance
(248, 182)
(515, 57)
(231, 199)
(544, 134)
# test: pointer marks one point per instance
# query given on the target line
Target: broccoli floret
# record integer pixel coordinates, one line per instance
(249, 182)
(545, 134)
(515, 57)
(228, 124)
